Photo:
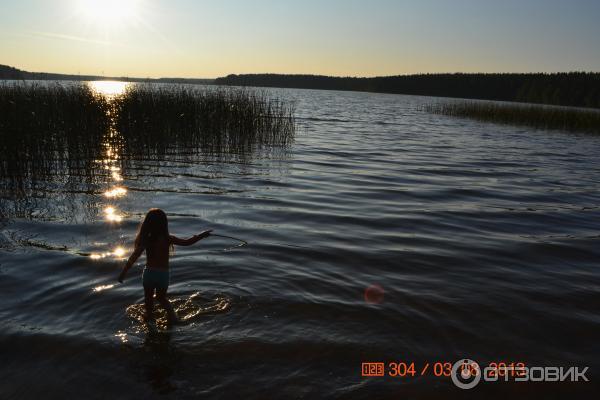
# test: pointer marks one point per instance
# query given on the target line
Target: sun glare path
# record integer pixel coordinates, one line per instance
(109, 89)
(103, 287)
(119, 252)
(115, 192)
(111, 214)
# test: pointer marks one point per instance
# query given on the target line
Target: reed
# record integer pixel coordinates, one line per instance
(60, 140)
(210, 120)
(535, 116)
(43, 126)
(49, 128)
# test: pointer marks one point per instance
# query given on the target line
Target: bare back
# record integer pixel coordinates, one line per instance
(157, 253)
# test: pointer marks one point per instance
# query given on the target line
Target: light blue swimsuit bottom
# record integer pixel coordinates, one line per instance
(155, 278)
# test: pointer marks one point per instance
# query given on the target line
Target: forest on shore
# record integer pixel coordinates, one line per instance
(577, 89)
(8, 72)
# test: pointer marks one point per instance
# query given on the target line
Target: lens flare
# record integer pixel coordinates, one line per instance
(108, 12)
(374, 294)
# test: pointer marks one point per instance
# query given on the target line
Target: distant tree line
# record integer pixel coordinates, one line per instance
(7, 72)
(578, 89)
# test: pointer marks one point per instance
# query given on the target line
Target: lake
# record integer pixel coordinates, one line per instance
(383, 233)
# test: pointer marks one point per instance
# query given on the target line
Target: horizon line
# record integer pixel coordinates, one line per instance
(303, 74)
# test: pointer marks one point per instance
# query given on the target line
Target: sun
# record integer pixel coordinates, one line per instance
(108, 12)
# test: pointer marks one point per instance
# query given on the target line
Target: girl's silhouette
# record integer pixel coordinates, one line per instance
(153, 236)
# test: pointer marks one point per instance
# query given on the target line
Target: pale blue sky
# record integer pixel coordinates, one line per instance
(206, 38)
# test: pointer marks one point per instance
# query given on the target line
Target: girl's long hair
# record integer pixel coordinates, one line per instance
(153, 227)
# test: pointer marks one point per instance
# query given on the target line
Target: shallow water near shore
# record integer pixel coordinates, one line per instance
(482, 238)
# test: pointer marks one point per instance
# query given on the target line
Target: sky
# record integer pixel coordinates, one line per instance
(207, 39)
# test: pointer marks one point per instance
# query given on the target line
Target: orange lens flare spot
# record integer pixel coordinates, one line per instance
(374, 294)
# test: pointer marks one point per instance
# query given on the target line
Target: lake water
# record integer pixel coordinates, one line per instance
(382, 234)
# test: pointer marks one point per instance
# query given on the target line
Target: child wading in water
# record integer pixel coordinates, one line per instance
(153, 236)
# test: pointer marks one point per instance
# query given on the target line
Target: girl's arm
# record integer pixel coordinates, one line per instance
(190, 241)
(132, 259)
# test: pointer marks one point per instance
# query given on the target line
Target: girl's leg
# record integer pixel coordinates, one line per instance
(149, 303)
(161, 295)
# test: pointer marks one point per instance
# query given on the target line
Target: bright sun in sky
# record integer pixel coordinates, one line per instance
(108, 12)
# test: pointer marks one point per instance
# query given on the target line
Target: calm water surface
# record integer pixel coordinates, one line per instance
(483, 238)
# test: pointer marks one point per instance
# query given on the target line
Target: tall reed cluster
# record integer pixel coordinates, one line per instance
(47, 128)
(535, 116)
(57, 129)
(215, 120)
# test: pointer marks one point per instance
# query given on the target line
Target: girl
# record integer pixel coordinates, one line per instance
(153, 236)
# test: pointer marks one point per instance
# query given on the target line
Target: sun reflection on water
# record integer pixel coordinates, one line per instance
(110, 89)
(111, 163)
(103, 287)
(122, 336)
(118, 252)
(117, 176)
(116, 191)
(111, 214)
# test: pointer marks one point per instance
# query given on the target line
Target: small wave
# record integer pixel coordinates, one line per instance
(188, 308)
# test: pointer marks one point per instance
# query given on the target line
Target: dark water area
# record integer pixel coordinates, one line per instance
(382, 233)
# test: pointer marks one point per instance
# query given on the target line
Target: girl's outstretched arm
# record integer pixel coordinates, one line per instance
(132, 259)
(190, 241)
